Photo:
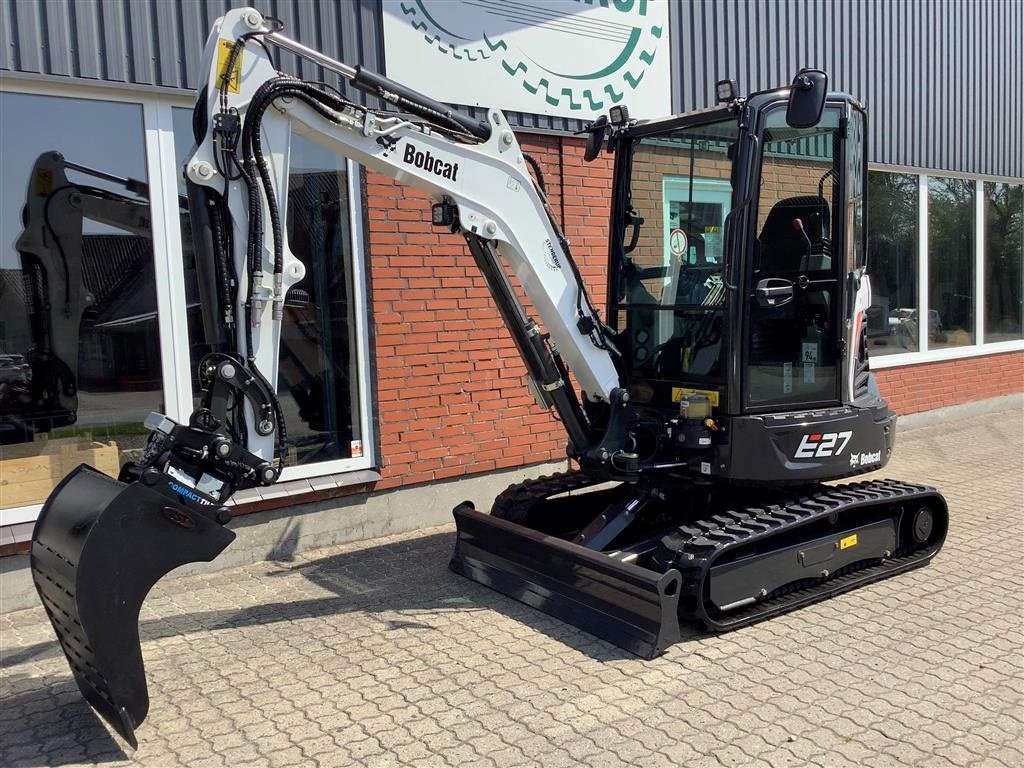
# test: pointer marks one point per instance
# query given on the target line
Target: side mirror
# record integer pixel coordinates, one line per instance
(595, 137)
(807, 98)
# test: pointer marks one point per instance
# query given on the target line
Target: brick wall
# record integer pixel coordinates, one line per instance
(922, 387)
(451, 387)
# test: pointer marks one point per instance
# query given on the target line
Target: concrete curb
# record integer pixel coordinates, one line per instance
(963, 411)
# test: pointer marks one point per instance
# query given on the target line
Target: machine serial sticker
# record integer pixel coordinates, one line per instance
(678, 393)
(223, 56)
(848, 541)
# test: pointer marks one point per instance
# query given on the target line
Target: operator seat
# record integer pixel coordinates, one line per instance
(783, 248)
(783, 253)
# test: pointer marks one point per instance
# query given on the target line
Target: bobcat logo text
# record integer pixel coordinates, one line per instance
(429, 163)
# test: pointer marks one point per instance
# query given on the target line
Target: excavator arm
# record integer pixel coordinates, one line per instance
(93, 547)
(475, 172)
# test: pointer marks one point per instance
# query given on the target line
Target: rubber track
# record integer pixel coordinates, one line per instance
(516, 501)
(693, 548)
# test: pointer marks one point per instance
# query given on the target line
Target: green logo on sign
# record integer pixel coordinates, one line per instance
(580, 55)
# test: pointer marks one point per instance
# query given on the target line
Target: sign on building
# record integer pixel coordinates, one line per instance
(570, 58)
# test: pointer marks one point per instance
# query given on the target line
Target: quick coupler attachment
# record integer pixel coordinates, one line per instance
(98, 547)
(629, 606)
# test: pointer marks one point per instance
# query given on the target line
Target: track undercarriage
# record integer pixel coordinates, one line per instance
(627, 562)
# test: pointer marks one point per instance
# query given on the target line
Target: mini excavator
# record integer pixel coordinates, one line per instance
(727, 381)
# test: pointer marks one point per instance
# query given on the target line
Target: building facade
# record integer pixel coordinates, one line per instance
(396, 371)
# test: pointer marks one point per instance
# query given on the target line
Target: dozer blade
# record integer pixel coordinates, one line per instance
(97, 549)
(629, 606)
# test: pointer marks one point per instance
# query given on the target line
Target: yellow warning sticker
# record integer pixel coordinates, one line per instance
(223, 57)
(678, 393)
(848, 541)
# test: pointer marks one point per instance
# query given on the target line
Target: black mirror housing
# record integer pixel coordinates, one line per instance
(595, 137)
(807, 98)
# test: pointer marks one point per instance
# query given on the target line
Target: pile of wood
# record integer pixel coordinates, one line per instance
(29, 471)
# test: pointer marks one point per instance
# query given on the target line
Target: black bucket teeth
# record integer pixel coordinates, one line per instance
(98, 547)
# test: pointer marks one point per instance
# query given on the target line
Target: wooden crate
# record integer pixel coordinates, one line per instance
(28, 472)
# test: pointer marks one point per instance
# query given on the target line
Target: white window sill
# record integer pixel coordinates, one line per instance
(303, 486)
(880, 362)
(16, 523)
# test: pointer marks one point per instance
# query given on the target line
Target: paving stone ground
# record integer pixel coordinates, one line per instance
(376, 655)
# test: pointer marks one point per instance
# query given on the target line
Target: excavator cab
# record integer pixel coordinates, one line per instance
(736, 257)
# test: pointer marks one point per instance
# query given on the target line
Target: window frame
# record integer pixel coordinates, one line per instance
(979, 348)
(674, 190)
(162, 173)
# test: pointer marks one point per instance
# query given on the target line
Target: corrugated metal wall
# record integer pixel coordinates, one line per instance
(160, 42)
(943, 79)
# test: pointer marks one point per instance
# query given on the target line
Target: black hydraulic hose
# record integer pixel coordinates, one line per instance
(223, 257)
(536, 171)
(418, 104)
(581, 292)
(199, 117)
(252, 144)
(253, 158)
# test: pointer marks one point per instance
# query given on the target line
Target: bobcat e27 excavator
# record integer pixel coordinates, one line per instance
(729, 379)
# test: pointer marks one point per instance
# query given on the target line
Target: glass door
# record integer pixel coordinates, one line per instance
(795, 301)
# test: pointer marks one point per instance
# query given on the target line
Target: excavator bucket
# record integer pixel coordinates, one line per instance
(632, 607)
(98, 548)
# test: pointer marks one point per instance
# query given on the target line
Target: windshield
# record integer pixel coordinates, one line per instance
(671, 290)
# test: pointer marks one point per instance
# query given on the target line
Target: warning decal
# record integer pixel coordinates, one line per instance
(677, 242)
(223, 57)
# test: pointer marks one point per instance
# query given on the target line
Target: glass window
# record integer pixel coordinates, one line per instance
(79, 342)
(951, 247)
(892, 262)
(318, 381)
(792, 348)
(1004, 260)
(672, 290)
(854, 149)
